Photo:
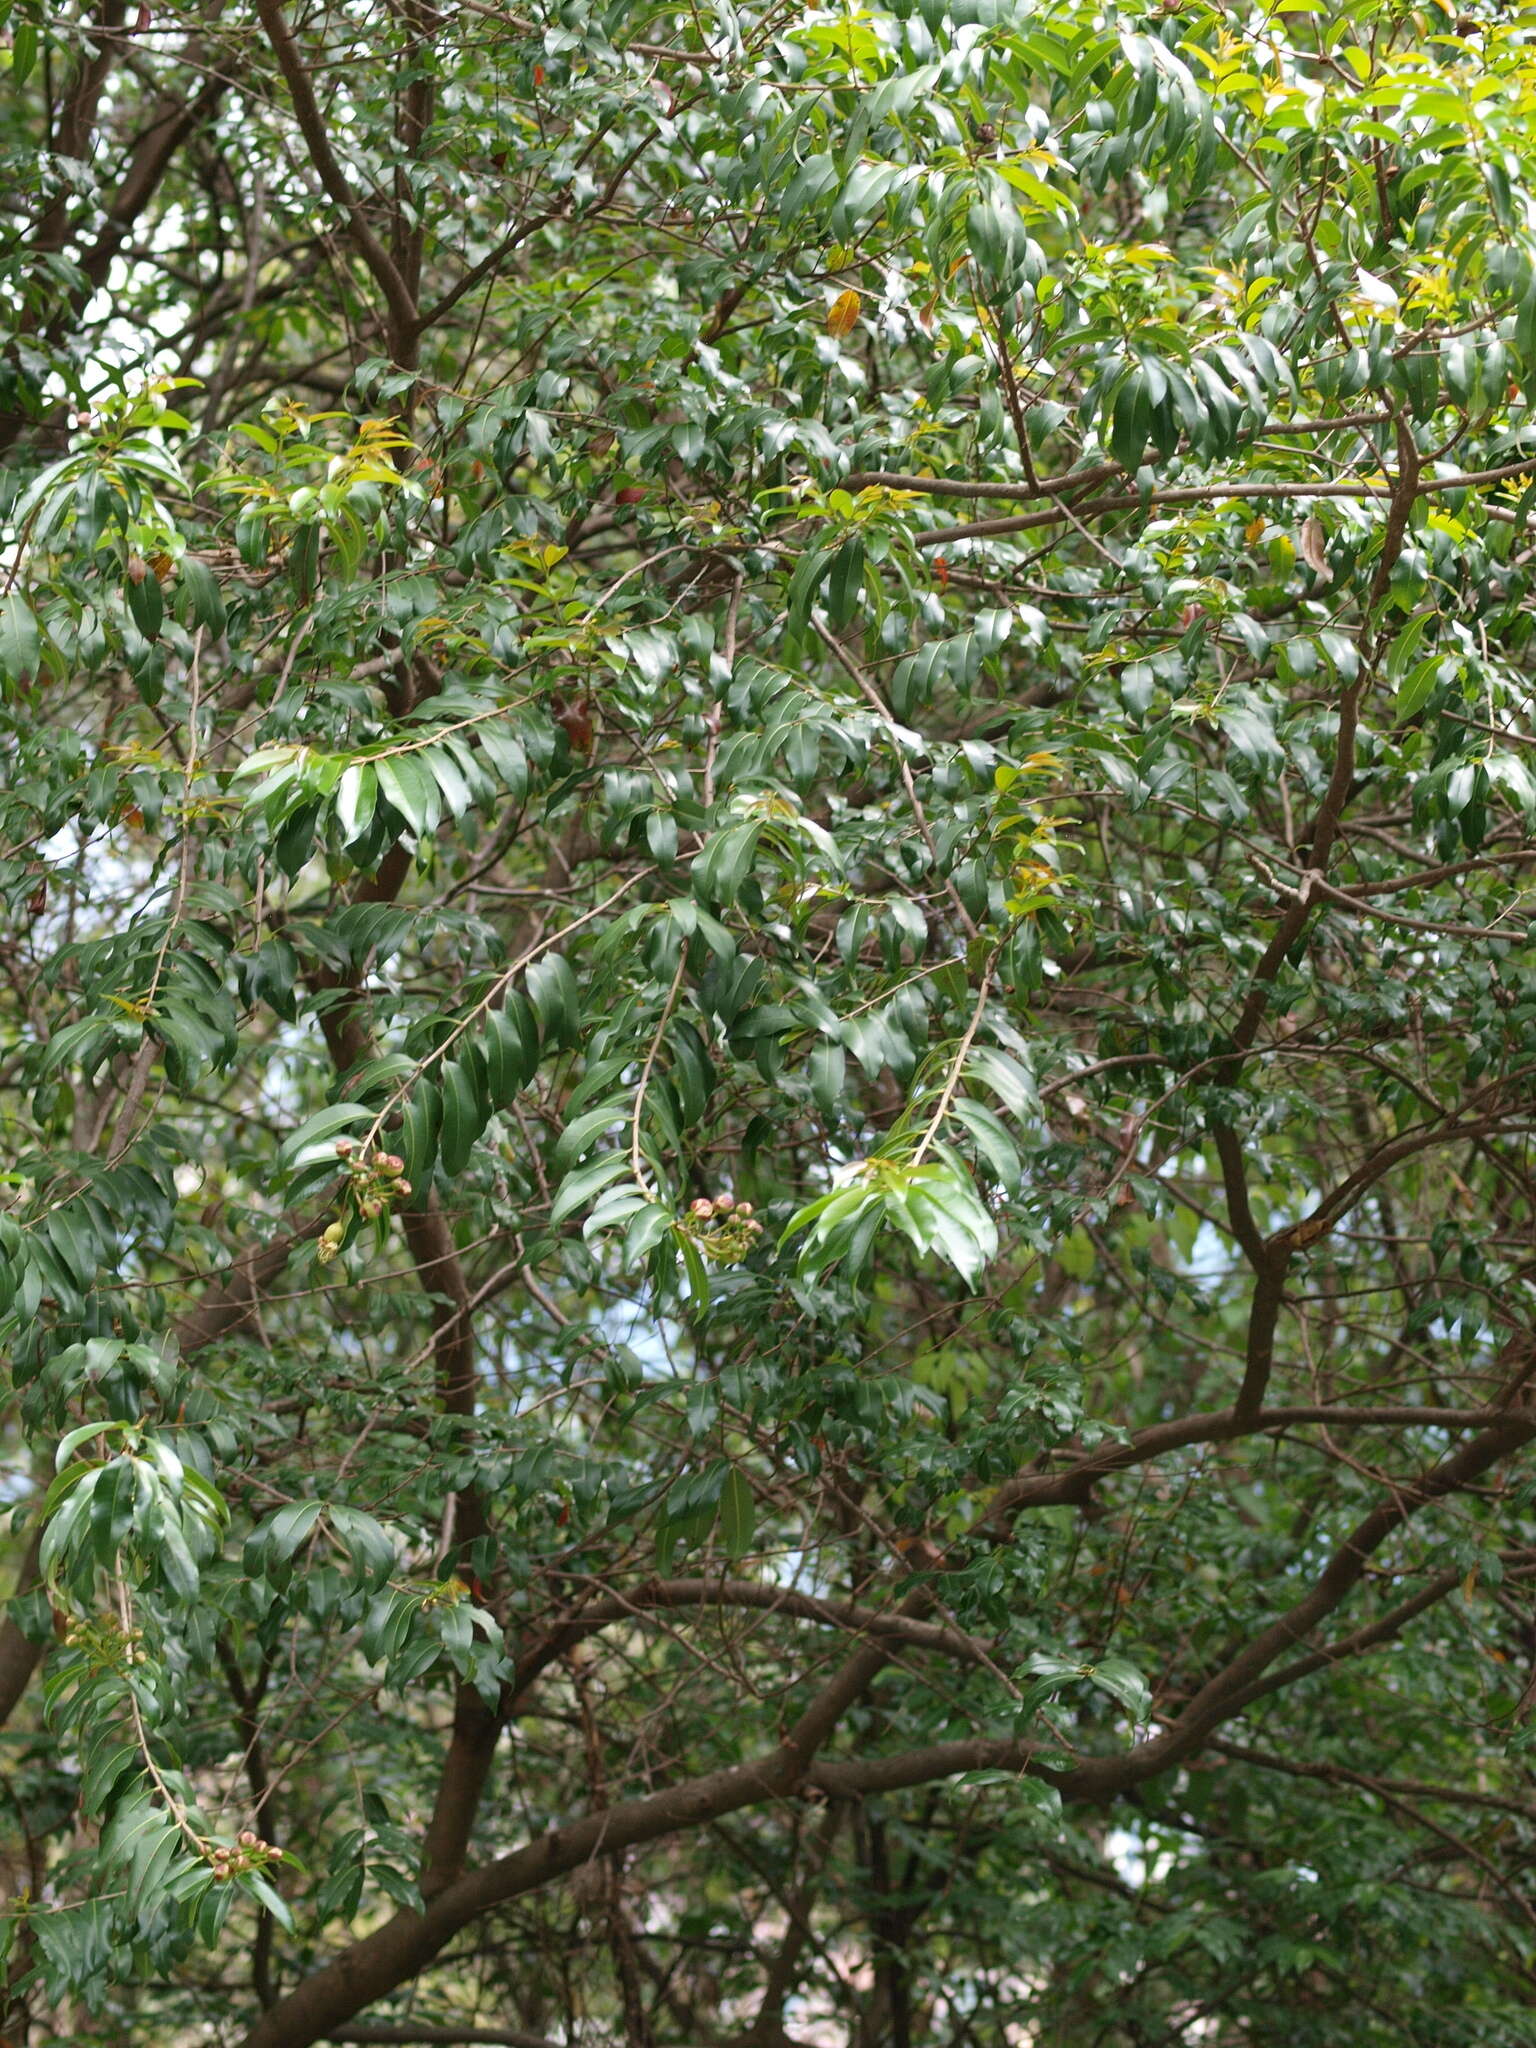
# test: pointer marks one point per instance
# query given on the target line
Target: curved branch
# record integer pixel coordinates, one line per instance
(1203, 494)
(1100, 1778)
(1221, 1695)
(410, 1940)
(1213, 1426)
(1406, 1788)
(402, 306)
(891, 1626)
(418, 2031)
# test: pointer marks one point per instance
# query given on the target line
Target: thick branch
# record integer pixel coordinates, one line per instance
(420, 2031)
(312, 125)
(409, 1941)
(1382, 1630)
(1218, 1698)
(1211, 1426)
(19, 1655)
(897, 1628)
(1104, 1777)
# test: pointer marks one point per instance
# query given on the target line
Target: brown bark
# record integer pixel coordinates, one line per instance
(400, 305)
(420, 2031)
(19, 1655)
(409, 1941)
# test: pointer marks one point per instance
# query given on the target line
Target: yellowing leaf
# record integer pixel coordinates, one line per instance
(843, 314)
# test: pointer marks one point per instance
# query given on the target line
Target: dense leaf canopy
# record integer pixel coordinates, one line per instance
(766, 1026)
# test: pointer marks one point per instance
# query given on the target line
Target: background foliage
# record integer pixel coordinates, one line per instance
(766, 1027)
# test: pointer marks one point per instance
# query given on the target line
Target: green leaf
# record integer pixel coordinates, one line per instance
(992, 1141)
(725, 863)
(1125, 1683)
(289, 1528)
(1416, 687)
(20, 639)
(203, 594)
(24, 41)
(738, 1514)
(419, 1128)
(146, 601)
(828, 1074)
(844, 582)
(464, 1116)
(1131, 421)
(357, 794)
(583, 1132)
(508, 1066)
(579, 1187)
(556, 1003)
(410, 790)
(176, 1562)
(265, 1896)
(314, 1142)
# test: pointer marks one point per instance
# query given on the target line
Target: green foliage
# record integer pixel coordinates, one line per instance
(765, 1038)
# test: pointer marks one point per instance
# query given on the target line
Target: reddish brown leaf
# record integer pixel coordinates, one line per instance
(1312, 544)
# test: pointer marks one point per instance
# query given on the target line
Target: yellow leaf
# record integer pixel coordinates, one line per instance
(843, 314)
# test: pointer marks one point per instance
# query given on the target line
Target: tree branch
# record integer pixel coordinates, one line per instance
(403, 321)
(1205, 494)
(418, 2031)
(409, 1941)
(1211, 1426)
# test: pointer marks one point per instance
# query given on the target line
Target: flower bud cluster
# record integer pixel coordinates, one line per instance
(106, 1641)
(376, 1180)
(724, 1229)
(250, 1852)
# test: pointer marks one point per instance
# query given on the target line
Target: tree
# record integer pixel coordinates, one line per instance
(767, 1027)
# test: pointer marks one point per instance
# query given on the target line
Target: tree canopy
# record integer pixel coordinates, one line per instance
(766, 1023)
